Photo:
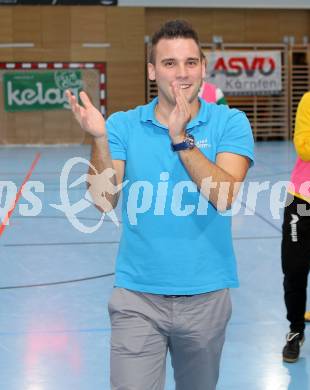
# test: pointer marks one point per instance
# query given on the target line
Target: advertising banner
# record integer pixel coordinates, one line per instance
(245, 72)
(32, 91)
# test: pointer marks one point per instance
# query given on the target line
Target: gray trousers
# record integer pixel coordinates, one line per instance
(145, 326)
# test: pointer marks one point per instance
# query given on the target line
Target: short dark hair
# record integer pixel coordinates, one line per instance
(173, 29)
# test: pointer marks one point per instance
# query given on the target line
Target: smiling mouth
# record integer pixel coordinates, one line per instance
(184, 86)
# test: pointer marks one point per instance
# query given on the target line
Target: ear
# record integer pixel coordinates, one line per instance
(151, 71)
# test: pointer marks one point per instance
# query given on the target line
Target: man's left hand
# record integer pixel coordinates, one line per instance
(180, 115)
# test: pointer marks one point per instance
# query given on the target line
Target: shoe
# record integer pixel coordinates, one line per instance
(307, 316)
(291, 349)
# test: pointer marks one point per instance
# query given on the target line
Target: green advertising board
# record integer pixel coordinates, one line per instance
(32, 91)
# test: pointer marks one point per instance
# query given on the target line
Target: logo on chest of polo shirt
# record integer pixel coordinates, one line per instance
(203, 144)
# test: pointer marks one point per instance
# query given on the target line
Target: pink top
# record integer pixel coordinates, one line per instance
(300, 179)
(209, 92)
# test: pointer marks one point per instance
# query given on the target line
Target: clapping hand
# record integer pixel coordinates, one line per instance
(180, 115)
(89, 118)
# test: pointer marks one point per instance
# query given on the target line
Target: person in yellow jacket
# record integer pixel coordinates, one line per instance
(295, 249)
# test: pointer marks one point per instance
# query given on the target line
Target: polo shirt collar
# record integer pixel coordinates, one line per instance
(148, 114)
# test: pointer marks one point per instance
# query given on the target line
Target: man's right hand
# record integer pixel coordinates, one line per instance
(89, 118)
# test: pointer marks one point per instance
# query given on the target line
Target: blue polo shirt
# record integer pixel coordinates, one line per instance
(173, 240)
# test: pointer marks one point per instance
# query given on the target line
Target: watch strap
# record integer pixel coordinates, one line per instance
(188, 143)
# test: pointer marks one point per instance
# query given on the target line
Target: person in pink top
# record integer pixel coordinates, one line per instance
(295, 249)
(212, 94)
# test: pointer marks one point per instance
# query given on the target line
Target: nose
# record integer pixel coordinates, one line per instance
(181, 71)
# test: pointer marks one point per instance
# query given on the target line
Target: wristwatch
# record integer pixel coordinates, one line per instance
(187, 144)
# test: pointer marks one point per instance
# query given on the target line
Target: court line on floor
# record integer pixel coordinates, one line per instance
(63, 217)
(7, 217)
(262, 217)
(95, 330)
(117, 242)
(257, 238)
(267, 175)
(42, 173)
(57, 283)
(61, 243)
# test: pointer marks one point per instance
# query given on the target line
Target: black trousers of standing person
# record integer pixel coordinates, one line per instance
(295, 251)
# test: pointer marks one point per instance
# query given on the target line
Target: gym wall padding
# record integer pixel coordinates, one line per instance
(58, 34)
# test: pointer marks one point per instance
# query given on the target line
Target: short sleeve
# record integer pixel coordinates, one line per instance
(117, 136)
(237, 136)
(302, 128)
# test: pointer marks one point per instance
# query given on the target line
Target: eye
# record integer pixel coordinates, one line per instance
(168, 64)
(192, 63)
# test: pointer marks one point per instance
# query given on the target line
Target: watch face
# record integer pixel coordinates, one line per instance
(188, 143)
(190, 140)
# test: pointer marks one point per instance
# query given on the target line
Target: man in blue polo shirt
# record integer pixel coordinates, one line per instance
(183, 161)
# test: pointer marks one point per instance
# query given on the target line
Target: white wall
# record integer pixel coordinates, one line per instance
(285, 4)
